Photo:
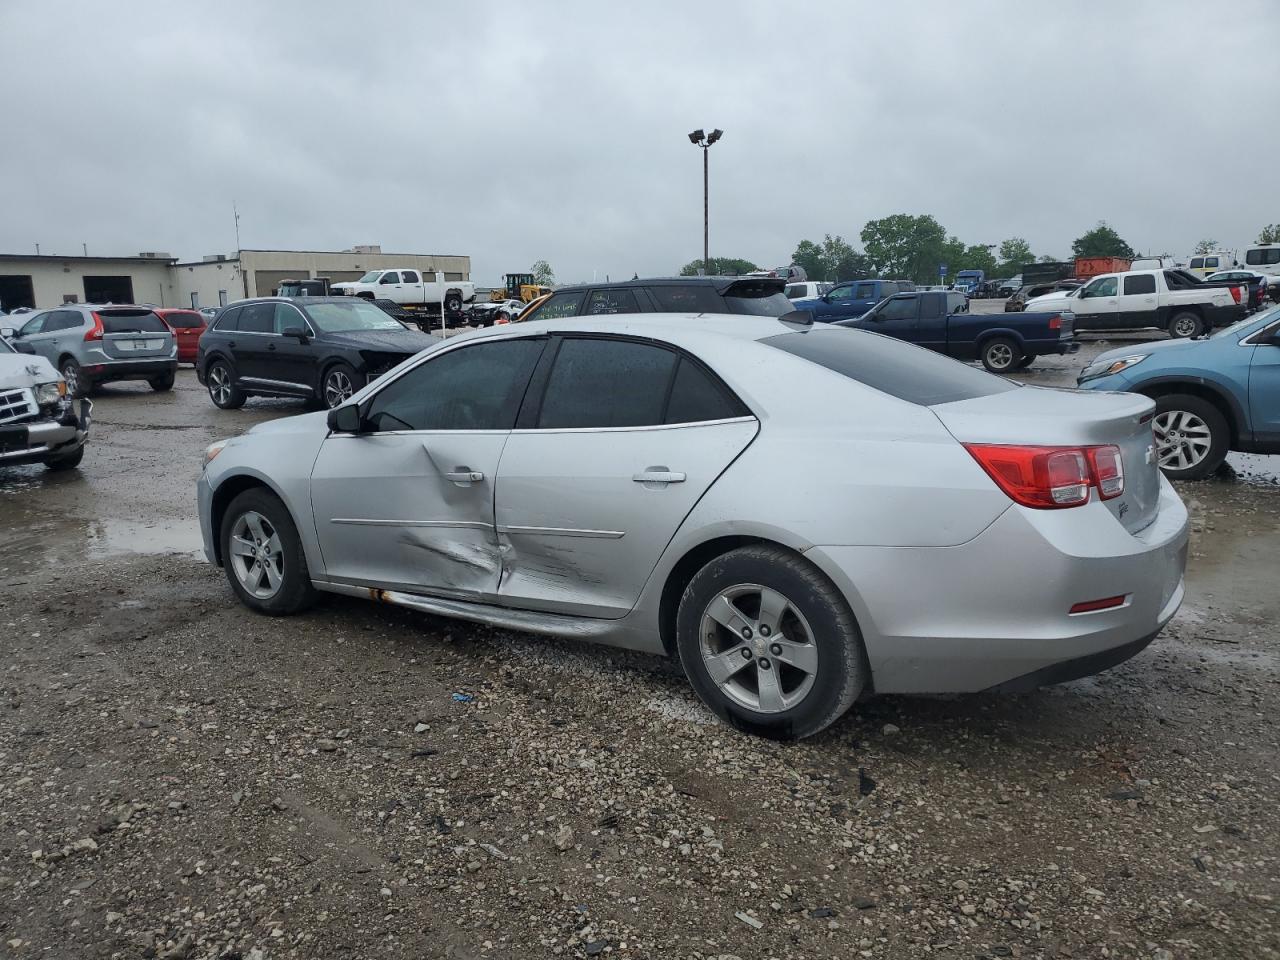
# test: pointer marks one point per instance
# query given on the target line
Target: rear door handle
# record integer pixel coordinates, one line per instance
(659, 475)
(271, 346)
(465, 476)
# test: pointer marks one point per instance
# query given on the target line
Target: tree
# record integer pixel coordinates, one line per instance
(1206, 246)
(1102, 241)
(974, 257)
(1047, 258)
(720, 267)
(543, 275)
(1014, 252)
(833, 259)
(910, 247)
(1270, 234)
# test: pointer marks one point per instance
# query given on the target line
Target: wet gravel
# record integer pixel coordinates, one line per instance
(181, 778)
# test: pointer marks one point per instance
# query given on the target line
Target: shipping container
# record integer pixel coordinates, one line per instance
(1088, 267)
(1036, 274)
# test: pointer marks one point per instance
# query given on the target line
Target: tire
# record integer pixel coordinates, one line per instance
(222, 387)
(1185, 326)
(1001, 354)
(1026, 362)
(808, 698)
(1192, 436)
(337, 385)
(68, 462)
(77, 386)
(453, 302)
(257, 518)
(161, 384)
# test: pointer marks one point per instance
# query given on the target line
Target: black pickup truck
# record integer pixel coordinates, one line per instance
(942, 322)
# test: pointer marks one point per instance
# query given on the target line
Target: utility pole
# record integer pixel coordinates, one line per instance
(700, 139)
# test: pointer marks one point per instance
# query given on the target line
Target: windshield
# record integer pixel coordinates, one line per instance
(1240, 326)
(370, 277)
(354, 314)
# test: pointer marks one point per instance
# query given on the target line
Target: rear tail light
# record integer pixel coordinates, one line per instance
(1235, 294)
(1050, 478)
(1055, 323)
(94, 332)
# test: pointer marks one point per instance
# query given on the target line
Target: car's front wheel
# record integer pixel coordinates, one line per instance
(769, 643)
(68, 461)
(77, 385)
(263, 556)
(338, 384)
(1192, 436)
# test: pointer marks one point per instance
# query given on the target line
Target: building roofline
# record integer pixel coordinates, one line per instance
(349, 253)
(10, 257)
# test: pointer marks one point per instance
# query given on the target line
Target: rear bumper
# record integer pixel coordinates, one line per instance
(41, 440)
(992, 613)
(113, 370)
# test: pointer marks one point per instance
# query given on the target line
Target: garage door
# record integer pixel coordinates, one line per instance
(342, 276)
(108, 289)
(16, 290)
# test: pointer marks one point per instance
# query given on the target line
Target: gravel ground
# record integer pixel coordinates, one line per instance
(181, 778)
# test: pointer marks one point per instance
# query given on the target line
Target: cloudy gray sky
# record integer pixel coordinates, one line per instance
(513, 131)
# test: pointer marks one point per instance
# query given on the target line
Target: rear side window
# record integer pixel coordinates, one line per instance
(607, 383)
(611, 301)
(410, 276)
(559, 306)
(184, 320)
(866, 291)
(899, 369)
(132, 322)
(696, 396)
(1139, 283)
(62, 320)
(228, 320)
(1265, 257)
(258, 318)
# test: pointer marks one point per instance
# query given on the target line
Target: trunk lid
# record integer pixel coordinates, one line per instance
(1041, 416)
(134, 334)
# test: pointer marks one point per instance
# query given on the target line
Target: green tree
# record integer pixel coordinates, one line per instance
(543, 275)
(720, 267)
(1047, 258)
(833, 259)
(1206, 246)
(1014, 252)
(1102, 241)
(910, 247)
(1270, 234)
(974, 257)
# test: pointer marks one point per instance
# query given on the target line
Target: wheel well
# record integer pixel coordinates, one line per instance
(227, 491)
(1189, 308)
(1208, 394)
(64, 358)
(364, 294)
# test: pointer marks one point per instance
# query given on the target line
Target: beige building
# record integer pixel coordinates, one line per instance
(46, 281)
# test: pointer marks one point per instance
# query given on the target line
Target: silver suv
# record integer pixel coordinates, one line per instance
(90, 344)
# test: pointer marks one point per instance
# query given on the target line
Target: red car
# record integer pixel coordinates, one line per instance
(187, 325)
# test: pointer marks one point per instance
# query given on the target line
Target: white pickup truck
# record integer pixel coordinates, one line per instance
(410, 288)
(1170, 300)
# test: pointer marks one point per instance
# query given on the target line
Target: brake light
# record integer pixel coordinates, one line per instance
(1235, 294)
(94, 332)
(1055, 323)
(1049, 478)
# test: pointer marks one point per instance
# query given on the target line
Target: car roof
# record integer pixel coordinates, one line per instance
(720, 284)
(305, 301)
(671, 327)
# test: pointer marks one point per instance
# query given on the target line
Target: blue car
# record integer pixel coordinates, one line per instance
(851, 298)
(1212, 395)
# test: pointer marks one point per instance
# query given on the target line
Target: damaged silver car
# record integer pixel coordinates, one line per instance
(39, 422)
(800, 513)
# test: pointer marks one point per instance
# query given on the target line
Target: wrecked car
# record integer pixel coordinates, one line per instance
(39, 422)
(799, 512)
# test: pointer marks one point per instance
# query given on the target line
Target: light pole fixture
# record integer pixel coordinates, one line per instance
(704, 140)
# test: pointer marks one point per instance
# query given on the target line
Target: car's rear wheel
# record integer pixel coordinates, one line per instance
(263, 556)
(1191, 436)
(769, 643)
(77, 386)
(338, 385)
(1001, 354)
(222, 387)
(160, 384)
(452, 302)
(1185, 326)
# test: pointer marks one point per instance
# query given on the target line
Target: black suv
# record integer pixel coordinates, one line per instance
(758, 296)
(321, 349)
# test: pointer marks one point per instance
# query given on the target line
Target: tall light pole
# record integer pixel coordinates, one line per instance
(703, 140)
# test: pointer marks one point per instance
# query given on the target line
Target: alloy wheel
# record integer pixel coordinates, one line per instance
(220, 384)
(1182, 438)
(1184, 326)
(1000, 355)
(337, 388)
(257, 556)
(72, 376)
(758, 648)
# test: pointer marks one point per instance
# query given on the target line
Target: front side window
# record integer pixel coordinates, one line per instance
(477, 387)
(611, 301)
(370, 277)
(842, 292)
(1102, 287)
(607, 383)
(1139, 283)
(287, 317)
(899, 308)
(1211, 263)
(390, 277)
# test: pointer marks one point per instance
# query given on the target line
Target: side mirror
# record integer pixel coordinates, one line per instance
(21, 347)
(346, 419)
(298, 333)
(8, 333)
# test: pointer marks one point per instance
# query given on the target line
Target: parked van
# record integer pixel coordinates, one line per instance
(1265, 258)
(1202, 266)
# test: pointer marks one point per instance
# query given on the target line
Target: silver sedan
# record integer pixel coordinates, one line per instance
(800, 513)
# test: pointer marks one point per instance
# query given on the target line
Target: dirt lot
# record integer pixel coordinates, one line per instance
(181, 778)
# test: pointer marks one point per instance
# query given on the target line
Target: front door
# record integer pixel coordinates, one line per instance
(834, 304)
(897, 318)
(604, 467)
(1264, 391)
(1097, 305)
(390, 287)
(289, 358)
(256, 346)
(408, 503)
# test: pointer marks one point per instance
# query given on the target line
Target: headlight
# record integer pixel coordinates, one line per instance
(212, 451)
(52, 392)
(1107, 368)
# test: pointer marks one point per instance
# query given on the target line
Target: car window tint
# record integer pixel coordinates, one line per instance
(1197, 262)
(287, 316)
(695, 396)
(184, 319)
(1139, 283)
(62, 320)
(899, 369)
(561, 305)
(390, 277)
(228, 320)
(131, 321)
(606, 383)
(899, 308)
(258, 318)
(866, 291)
(35, 324)
(611, 301)
(477, 387)
(409, 276)
(687, 298)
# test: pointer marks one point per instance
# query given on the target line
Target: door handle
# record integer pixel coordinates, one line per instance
(464, 476)
(659, 475)
(271, 346)
(231, 344)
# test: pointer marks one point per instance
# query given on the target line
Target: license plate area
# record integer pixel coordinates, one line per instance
(13, 438)
(135, 346)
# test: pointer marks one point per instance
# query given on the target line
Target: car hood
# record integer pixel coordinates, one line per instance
(302, 423)
(407, 342)
(24, 370)
(1165, 347)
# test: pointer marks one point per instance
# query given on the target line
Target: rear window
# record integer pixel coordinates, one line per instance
(132, 322)
(694, 298)
(184, 320)
(1264, 257)
(759, 298)
(899, 369)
